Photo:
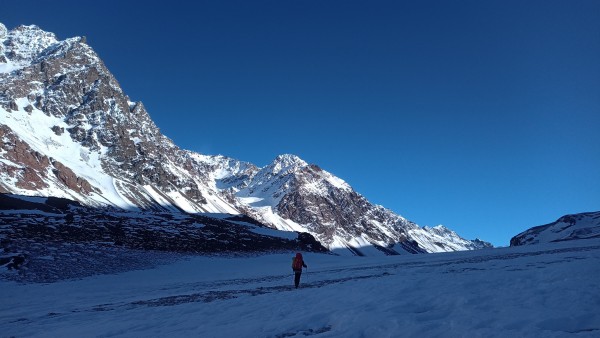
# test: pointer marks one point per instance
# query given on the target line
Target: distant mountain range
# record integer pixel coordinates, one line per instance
(68, 130)
(570, 227)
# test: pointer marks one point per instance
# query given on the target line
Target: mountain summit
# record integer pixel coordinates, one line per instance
(68, 130)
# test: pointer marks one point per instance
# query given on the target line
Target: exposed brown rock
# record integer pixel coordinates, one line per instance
(30, 179)
(31, 165)
(72, 181)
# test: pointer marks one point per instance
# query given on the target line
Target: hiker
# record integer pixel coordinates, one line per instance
(297, 264)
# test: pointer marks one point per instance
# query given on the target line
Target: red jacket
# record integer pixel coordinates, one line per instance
(298, 262)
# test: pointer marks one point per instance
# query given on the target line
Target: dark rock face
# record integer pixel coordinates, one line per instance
(12, 261)
(67, 223)
(333, 212)
(326, 212)
(58, 130)
(308, 243)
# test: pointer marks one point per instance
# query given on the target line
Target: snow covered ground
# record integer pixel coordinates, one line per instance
(547, 290)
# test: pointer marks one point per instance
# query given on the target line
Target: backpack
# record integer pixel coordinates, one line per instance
(297, 262)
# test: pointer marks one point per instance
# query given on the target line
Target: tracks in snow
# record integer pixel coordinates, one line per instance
(230, 289)
(223, 290)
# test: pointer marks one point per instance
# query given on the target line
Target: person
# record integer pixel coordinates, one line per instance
(297, 264)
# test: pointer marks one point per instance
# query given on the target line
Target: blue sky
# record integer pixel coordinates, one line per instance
(483, 116)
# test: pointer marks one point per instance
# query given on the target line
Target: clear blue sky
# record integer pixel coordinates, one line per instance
(483, 116)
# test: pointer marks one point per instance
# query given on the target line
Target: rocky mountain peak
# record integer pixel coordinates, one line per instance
(80, 114)
(439, 229)
(25, 43)
(286, 162)
(3, 31)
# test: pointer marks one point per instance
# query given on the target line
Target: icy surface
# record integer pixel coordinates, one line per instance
(546, 290)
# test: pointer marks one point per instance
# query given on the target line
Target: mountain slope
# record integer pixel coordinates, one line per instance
(90, 143)
(570, 227)
(68, 130)
(294, 195)
(49, 239)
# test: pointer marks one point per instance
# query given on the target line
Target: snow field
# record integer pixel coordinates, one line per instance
(533, 291)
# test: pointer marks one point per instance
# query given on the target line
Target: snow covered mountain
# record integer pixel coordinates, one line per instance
(570, 227)
(68, 130)
(294, 195)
